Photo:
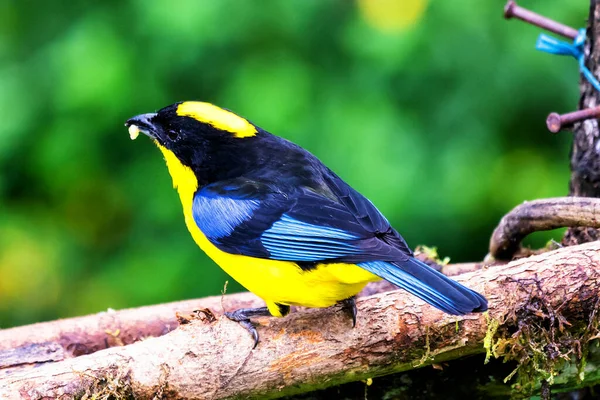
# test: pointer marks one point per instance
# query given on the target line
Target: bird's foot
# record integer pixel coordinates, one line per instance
(349, 307)
(242, 316)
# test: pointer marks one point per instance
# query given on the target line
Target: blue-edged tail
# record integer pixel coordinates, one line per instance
(429, 285)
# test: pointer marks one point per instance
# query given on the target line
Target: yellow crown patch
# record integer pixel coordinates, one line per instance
(217, 117)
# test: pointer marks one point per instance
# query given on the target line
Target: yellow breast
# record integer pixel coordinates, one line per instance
(274, 281)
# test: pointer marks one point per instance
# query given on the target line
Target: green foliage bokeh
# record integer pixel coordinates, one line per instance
(438, 119)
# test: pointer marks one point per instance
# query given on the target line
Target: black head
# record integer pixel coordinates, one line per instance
(199, 134)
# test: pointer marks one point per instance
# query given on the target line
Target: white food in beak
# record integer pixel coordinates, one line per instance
(134, 132)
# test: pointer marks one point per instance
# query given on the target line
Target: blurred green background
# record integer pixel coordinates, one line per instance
(434, 110)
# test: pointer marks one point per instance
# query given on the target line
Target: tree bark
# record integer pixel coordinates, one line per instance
(315, 349)
(585, 152)
(541, 215)
(585, 162)
(72, 337)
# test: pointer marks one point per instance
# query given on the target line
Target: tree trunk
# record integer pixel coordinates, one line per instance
(585, 162)
(585, 152)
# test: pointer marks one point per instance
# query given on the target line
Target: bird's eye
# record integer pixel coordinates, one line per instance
(173, 135)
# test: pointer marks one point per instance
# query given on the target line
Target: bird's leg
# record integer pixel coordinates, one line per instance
(349, 307)
(243, 317)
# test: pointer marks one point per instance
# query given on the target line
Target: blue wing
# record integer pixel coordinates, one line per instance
(245, 217)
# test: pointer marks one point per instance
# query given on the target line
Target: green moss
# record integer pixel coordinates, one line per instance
(114, 385)
(540, 340)
(488, 341)
(427, 356)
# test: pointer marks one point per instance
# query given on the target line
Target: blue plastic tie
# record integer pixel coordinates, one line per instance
(554, 46)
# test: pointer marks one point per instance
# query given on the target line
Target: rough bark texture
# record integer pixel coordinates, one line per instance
(585, 161)
(314, 349)
(462, 379)
(541, 215)
(585, 153)
(85, 335)
(73, 337)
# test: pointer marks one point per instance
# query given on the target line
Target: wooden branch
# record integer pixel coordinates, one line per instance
(312, 349)
(541, 215)
(88, 334)
(72, 337)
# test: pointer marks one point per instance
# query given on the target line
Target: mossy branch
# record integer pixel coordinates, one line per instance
(313, 349)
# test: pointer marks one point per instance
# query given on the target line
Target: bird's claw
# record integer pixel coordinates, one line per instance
(242, 316)
(349, 307)
(246, 323)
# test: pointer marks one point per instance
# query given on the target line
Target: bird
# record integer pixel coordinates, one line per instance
(280, 222)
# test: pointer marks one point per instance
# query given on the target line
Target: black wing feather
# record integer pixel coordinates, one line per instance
(372, 236)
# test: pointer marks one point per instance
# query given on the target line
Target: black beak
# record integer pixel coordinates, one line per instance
(144, 124)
